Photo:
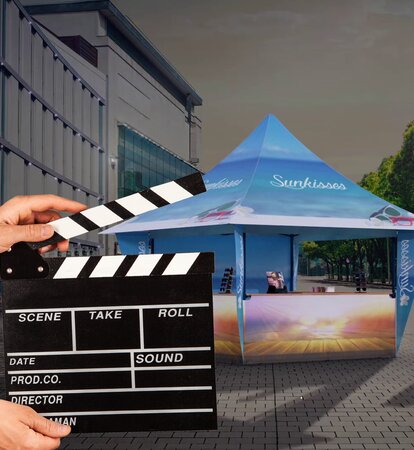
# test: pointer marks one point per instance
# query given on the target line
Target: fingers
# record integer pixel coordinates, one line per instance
(23, 428)
(50, 216)
(48, 427)
(46, 216)
(62, 246)
(47, 248)
(25, 210)
(37, 441)
(44, 203)
(11, 234)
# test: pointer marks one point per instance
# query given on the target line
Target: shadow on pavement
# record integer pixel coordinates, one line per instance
(314, 399)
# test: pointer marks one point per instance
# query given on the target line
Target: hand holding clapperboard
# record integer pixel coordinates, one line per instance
(112, 343)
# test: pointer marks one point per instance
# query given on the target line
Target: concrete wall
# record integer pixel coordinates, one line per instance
(87, 72)
(134, 97)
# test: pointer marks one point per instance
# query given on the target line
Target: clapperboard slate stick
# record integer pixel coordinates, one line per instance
(124, 208)
(112, 343)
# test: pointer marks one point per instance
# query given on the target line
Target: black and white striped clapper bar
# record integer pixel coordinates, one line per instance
(111, 343)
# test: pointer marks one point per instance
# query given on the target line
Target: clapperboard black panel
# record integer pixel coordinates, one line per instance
(113, 343)
(117, 343)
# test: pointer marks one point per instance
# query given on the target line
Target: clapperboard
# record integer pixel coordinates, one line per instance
(112, 343)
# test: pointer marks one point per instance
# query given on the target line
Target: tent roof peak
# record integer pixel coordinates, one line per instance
(272, 179)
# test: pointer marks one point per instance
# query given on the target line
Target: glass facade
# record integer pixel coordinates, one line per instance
(143, 164)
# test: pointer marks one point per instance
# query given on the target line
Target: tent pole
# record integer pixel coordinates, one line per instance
(292, 262)
(240, 248)
(394, 243)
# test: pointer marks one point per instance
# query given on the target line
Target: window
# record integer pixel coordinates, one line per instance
(143, 164)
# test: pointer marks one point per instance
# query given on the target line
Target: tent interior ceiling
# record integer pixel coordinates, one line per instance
(304, 234)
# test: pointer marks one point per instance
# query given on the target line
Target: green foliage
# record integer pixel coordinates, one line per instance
(393, 181)
(379, 182)
(401, 176)
(346, 257)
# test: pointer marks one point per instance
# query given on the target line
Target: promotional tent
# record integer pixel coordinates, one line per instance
(262, 200)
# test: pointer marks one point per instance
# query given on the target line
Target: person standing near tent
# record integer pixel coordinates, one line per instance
(24, 219)
(360, 279)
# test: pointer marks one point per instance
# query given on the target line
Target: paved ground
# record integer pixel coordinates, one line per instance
(363, 404)
(305, 284)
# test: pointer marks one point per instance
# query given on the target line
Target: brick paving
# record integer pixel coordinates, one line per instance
(362, 404)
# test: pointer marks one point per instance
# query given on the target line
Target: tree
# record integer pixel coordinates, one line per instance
(394, 182)
(379, 182)
(401, 176)
(333, 253)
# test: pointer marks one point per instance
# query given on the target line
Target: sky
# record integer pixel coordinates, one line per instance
(338, 74)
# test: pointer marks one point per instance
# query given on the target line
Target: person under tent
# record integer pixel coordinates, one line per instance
(276, 283)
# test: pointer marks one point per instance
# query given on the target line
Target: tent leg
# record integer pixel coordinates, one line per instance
(292, 263)
(403, 281)
(394, 267)
(240, 246)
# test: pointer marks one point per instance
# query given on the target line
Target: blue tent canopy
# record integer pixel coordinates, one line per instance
(262, 200)
(271, 183)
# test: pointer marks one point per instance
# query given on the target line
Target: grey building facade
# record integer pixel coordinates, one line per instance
(51, 119)
(144, 92)
(90, 110)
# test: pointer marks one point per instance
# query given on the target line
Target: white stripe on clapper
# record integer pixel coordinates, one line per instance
(101, 215)
(171, 191)
(67, 228)
(107, 266)
(181, 264)
(143, 265)
(71, 267)
(136, 204)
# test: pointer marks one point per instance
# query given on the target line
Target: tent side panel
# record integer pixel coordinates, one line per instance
(134, 243)
(295, 262)
(227, 343)
(221, 246)
(405, 281)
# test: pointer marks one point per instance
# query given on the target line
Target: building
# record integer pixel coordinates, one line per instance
(103, 114)
(51, 119)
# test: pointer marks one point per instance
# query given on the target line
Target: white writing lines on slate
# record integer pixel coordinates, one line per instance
(106, 308)
(139, 411)
(132, 361)
(73, 327)
(102, 391)
(93, 352)
(141, 329)
(111, 369)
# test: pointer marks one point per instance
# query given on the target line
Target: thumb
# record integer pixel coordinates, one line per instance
(30, 233)
(48, 427)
